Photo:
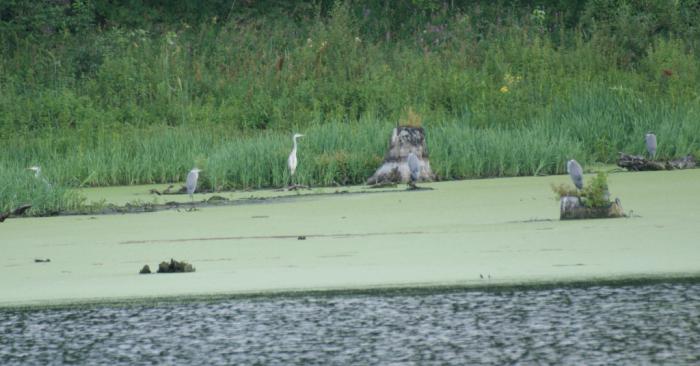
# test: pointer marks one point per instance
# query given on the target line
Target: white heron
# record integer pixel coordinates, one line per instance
(36, 169)
(292, 160)
(37, 174)
(414, 168)
(576, 173)
(191, 183)
(651, 144)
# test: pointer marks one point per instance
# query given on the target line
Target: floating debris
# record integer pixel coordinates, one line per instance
(640, 163)
(175, 267)
(145, 270)
(301, 237)
(40, 260)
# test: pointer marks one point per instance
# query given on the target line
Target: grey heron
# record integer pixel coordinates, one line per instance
(576, 173)
(191, 183)
(413, 167)
(292, 160)
(651, 144)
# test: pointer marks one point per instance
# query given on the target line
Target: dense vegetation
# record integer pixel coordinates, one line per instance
(101, 94)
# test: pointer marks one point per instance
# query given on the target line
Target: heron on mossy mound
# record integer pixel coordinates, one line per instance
(586, 201)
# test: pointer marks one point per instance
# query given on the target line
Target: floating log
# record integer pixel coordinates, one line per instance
(640, 163)
(19, 211)
(404, 140)
(571, 208)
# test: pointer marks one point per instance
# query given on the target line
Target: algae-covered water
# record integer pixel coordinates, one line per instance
(466, 233)
(617, 325)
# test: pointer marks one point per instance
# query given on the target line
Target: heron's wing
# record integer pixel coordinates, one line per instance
(292, 161)
(413, 163)
(651, 141)
(191, 182)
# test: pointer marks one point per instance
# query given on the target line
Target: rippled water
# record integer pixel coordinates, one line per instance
(657, 323)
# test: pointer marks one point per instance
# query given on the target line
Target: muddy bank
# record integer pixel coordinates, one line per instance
(218, 199)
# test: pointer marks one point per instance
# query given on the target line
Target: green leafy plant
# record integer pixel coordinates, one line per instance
(595, 194)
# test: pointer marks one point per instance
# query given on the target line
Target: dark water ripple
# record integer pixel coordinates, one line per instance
(657, 323)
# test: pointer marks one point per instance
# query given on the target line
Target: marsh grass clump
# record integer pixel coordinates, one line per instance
(593, 195)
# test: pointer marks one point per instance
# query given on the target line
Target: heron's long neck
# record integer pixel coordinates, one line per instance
(294, 150)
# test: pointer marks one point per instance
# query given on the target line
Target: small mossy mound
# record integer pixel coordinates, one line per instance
(592, 202)
(175, 267)
(593, 195)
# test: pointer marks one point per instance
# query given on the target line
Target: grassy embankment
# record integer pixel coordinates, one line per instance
(502, 92)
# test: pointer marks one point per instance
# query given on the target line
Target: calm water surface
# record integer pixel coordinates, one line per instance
(640, 324)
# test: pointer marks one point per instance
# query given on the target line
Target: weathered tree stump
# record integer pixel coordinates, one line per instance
(404, 140)
(639, 163)
(571, 208)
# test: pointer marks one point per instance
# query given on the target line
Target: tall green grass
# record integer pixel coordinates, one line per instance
(19, 186)
(266, 73)
(503, 91)
(592, 127)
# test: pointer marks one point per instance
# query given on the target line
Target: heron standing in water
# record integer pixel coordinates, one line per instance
(576, 173)
(414, 168)
(651, 144)
(292, 160)
(191, 183)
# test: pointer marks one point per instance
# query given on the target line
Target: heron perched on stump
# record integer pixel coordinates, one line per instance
(651, 144)
(191, 183)
(575, 172)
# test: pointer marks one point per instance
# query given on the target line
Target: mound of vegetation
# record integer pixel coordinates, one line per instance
(593, 195)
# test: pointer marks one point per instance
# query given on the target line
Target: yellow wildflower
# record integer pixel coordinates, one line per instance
(504, 89)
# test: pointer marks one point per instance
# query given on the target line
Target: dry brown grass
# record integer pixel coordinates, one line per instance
(410, 118)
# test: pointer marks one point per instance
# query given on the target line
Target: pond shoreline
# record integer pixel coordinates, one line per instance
(417, 289)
